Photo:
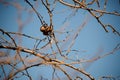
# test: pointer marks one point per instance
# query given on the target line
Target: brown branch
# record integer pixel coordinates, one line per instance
(25, 50)
(22, 69)
(64, 72)
(102, 56)
(82, 4)
(18, 52)
(105, 12)
(3, 70)
(47, 60)
(90, 3)
(113, 29)
(47, 6)
(25, 35)
(91, 10)
(11, 73)
(67, 4)
(57, 62)
(56, 43)
(9, 37)
(82, 71)
(38, 15)
(76, 34)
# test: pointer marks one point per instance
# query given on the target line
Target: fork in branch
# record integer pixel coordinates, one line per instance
(48, 31)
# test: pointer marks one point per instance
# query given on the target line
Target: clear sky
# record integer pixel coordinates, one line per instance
(91, 40)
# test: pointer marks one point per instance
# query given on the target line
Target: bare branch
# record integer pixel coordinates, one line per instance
(90, 10)
(56, 51)
(9, 36)
(38, 15)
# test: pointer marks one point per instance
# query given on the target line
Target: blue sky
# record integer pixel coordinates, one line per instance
(91, 38)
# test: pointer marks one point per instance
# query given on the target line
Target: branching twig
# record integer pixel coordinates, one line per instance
(18, 52)
(22, 69)
(25, 35)
(9, 36)
(48, 60)
(38, 15)
(64, 72)
(91, 11)
(60, 63)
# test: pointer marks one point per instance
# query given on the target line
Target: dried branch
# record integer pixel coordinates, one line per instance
(64, 72)
(25, 50)
(38, 15)
(91, 11)
(9, 37)
(48, 60)
(25, 35)
(45, 54)
(3, 70)
(102, 56)
(22, 69)
(70, 5)
(47, 6)
(18, 52)
(77, 33)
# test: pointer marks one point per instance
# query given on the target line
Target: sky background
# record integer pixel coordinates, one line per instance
(91, 39)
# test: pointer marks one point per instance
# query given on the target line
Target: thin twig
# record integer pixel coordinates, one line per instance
(38, 15)
(9, 36)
